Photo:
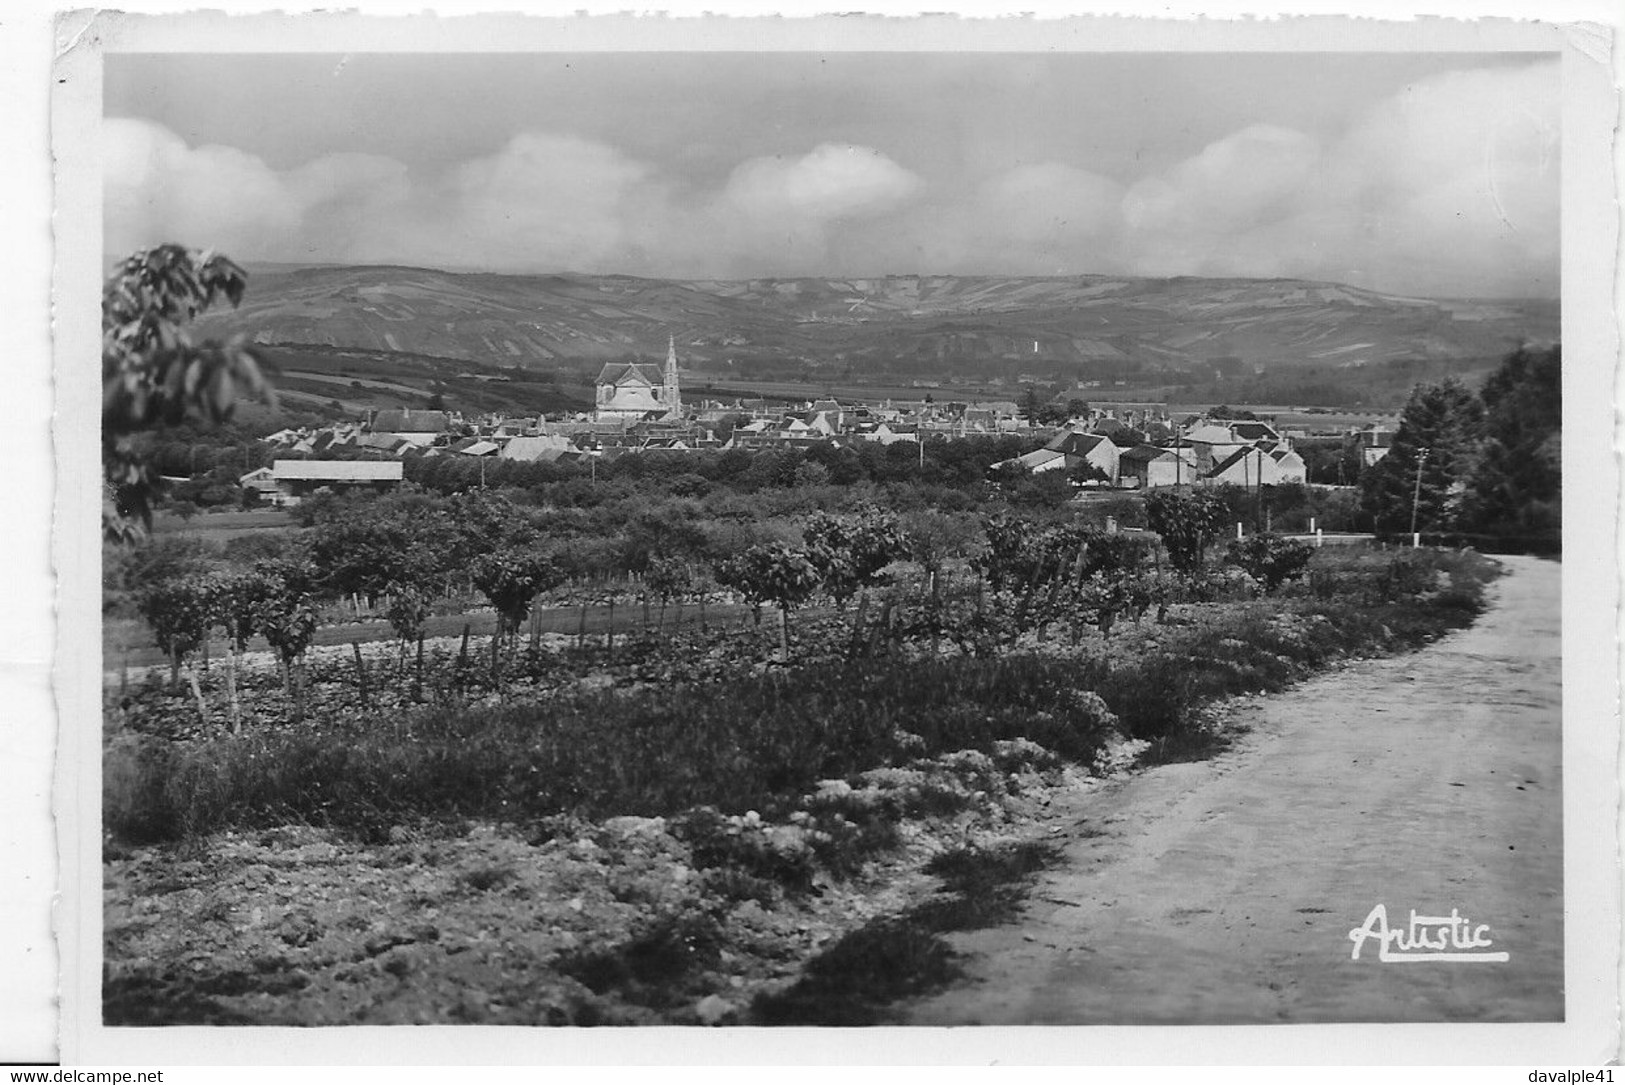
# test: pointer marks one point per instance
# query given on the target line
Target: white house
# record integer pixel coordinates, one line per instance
(1217, 442)
(417, 427)
(262, 480)
(1148, 466)
(1250, 465)
(1092, 448)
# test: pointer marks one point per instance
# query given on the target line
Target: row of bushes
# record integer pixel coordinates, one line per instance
(757, 742)
(739, 745)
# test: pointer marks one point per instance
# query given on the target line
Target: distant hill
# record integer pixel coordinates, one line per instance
(1184, 330)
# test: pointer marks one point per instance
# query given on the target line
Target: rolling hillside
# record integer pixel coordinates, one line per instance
(871, 328)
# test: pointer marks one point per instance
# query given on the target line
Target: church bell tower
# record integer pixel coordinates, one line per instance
(674, 396)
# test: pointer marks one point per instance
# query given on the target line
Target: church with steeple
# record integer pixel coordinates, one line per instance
(633, 392)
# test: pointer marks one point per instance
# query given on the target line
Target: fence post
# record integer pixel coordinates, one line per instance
(360, 672)
(462, 657)
(417, 681)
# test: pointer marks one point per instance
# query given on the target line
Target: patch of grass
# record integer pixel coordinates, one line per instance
(187, 998)
(853, 981)
(484, 878)
(983, 886)
(736, 886)
(653, 968)
(1192, 744)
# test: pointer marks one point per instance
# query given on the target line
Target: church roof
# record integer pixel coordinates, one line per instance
(621, 372)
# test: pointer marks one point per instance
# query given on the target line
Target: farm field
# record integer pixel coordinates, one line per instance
(360, 379)
(223, 525)
(779, 823)
(849, 391)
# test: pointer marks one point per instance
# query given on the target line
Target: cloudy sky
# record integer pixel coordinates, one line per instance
(1431, 174)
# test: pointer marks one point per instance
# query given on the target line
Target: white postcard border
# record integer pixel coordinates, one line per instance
(1590, 574)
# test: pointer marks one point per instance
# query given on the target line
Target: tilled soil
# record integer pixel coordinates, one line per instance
(578, 924)
(1225, 891)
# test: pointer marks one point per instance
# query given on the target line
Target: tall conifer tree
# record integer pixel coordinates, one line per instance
(1425, 471)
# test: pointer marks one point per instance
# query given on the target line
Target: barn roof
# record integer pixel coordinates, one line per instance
(338, 470)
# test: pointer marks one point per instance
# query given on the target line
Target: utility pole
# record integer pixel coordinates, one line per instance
(1258, 492)
(1416, 493)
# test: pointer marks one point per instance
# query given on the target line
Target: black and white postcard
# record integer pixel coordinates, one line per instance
(736, 528)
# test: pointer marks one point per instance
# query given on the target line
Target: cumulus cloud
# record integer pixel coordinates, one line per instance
(832, 181)
(809, 215)
(541, 201)
(1249, 177)
(156, 187)
(1449, 187)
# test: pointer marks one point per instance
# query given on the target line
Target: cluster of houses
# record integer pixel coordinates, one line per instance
(1103, 450)
(1212, 452)
(640, 408)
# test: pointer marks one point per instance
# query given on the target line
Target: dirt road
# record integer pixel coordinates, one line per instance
(1224, 891)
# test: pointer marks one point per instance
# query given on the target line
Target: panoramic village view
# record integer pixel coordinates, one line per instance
(909, 576)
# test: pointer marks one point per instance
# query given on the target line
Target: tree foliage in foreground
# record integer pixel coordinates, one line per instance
(512, 579)
(1516, 484)
(850, 552)
(1188, 524)
(1270, 559)
(155, 376)
(772, 573)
